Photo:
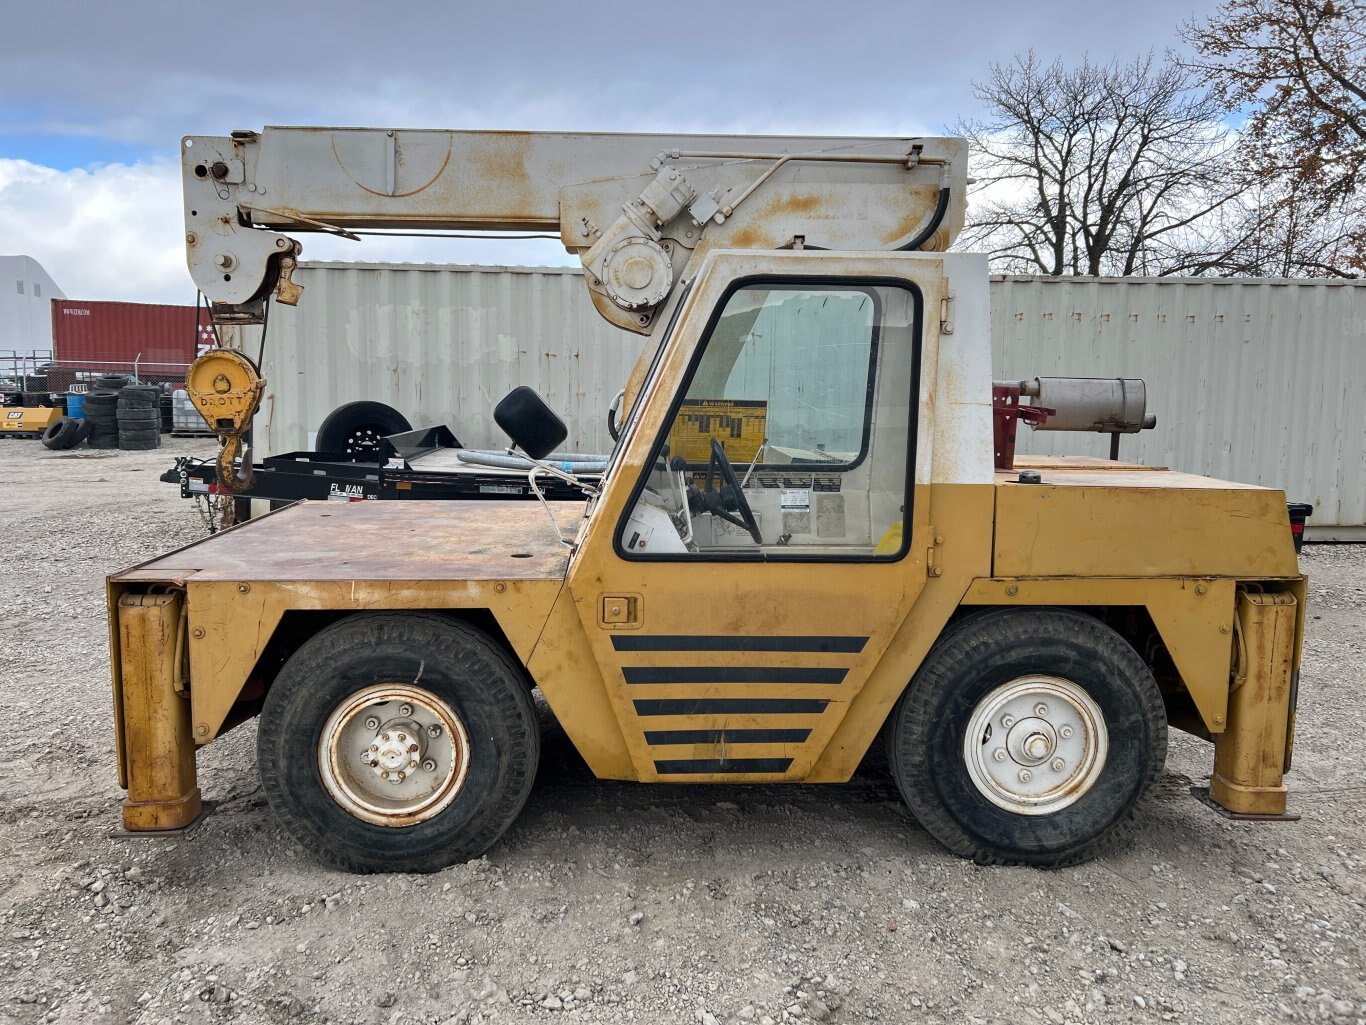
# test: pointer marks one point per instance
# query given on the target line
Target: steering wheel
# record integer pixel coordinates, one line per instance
(729, 495)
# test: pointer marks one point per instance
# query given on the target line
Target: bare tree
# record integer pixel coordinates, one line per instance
(1099, 169)
(1278, 230)
(1298, 68)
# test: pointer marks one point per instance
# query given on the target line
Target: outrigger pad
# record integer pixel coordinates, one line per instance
(1201, 794)
(119, 833)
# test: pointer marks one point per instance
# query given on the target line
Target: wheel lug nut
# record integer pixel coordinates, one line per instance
(412, 747)
(1007, 721)
(429, 765)
(384, 774)
(1026, 775)
(405, 709)
(1058, 765)
(999, 754)
(372, 722)
(1040, 709)
(1065, 732)
(384, 736)
(433, 730)
(403, 738)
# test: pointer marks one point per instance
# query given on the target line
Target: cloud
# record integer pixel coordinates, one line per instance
(106, 232)
(115, 231)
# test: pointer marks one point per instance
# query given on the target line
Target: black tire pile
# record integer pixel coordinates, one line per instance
(101, 412)
(117, 415)
(139, 418)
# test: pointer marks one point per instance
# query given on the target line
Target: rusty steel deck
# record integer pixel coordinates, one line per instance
(1083, 472)
(331, 541)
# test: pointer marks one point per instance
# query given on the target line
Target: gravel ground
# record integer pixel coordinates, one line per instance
(611, 902)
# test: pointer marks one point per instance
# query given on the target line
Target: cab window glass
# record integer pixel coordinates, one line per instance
(791, 437)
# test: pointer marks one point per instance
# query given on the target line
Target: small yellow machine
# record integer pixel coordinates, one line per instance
(27, 421)
(802, 544)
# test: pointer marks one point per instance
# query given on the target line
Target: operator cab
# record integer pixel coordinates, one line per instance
(792, 435)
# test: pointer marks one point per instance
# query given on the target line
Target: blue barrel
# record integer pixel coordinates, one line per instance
(75, 406)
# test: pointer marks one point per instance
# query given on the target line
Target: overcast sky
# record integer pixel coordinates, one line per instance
(94, 96)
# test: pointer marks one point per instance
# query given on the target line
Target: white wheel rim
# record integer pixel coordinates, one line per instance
(1035, 745)
(393, 754)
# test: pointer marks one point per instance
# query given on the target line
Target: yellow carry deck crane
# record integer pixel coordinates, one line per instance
(812, 531)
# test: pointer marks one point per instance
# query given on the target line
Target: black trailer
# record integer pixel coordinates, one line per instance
(419, 465)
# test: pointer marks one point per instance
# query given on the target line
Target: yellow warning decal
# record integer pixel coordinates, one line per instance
(740, 425)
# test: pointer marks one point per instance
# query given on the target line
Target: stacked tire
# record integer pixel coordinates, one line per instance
(101, 410)
(139, 418)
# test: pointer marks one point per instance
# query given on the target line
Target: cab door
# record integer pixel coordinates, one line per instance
(759, 539)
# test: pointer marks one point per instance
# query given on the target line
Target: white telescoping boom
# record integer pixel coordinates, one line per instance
(638, 209)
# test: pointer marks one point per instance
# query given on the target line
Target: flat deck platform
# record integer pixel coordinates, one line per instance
(1083, 471)
(330, 541)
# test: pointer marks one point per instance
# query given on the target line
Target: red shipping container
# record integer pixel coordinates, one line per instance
(115, 332)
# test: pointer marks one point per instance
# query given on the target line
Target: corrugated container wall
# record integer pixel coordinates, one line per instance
(1260, 381)
(1253, 380)
(441, 345)
(114, 332)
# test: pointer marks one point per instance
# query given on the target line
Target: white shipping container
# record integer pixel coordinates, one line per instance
(1252, 380)
(441, 344)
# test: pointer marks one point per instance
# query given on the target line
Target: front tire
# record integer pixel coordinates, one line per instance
(340, 722)
(1028, 737)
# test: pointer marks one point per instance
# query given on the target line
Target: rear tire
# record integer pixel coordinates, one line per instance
(328, 694)
(1012, 677)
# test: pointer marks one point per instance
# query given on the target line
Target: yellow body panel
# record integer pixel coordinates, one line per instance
(563, 667)
(1141, 523)
(956, 553)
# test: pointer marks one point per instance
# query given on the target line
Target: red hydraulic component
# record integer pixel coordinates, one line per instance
(1006, 414)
